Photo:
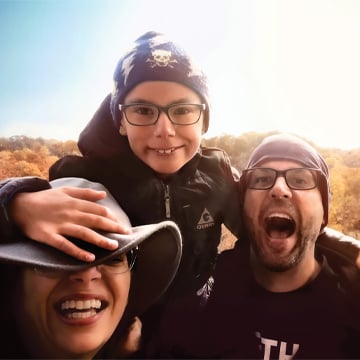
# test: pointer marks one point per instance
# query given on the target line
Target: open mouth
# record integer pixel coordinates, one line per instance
(279, 226)
(80, 309)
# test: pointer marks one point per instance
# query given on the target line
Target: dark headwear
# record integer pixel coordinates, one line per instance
(157, 259)
(292, 148)
(154, 57)
(101, 138)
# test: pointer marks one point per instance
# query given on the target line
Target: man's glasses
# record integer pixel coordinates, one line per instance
(296, 179)
(142, 114)
(117, 265)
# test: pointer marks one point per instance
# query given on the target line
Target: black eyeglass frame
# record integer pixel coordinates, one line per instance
(283, 173)
(160, 109)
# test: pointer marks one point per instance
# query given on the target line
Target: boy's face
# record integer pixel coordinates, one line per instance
(163, 146)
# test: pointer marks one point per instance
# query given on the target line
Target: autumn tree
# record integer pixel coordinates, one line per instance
(24, 156)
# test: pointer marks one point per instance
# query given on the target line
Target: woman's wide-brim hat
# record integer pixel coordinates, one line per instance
(158, 255)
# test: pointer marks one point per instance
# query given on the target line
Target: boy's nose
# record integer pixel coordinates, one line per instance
(164, 127)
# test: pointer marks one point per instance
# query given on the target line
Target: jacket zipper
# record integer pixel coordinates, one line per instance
(167, 201)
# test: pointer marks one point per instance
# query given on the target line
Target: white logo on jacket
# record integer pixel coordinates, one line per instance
(206, 220)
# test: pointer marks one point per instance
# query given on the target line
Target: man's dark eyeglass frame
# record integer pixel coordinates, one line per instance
(282, 173)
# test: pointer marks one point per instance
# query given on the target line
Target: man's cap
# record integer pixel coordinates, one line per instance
(290, 147)
(154, 57)
(158, 255)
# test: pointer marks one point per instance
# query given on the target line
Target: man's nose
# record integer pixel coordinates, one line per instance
(280, 188)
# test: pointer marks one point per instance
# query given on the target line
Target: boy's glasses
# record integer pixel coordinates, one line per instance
(142, 114)
(296, 179)
(118, 265)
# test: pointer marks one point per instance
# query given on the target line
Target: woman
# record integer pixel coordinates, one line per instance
(59, 307)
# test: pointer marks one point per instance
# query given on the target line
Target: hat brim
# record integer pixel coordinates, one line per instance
(158, 258)
(27, 252)
(157, 261)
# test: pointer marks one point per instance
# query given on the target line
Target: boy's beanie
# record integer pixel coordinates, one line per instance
(155, 58)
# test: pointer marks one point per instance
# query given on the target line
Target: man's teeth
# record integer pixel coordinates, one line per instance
(279, 216)
(81, 304)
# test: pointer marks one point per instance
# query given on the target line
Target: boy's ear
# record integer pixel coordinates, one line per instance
(122, 130)
(204, 126)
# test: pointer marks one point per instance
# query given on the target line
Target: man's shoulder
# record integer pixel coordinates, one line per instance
(337, 246)
(346, 273)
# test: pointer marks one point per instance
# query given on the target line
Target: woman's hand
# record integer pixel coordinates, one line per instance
(49, 216)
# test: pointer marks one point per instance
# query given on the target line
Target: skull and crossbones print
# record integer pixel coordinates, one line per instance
(161, 58)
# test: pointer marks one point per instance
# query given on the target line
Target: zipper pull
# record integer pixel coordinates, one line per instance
(167, 201)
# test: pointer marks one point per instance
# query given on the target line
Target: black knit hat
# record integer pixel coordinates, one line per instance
(158, 256)
(290, 147)
(156, 58)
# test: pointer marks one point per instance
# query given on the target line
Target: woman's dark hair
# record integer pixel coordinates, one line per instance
(10, 342)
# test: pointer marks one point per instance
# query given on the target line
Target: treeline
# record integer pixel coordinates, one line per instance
(240, 147)
(24, 156)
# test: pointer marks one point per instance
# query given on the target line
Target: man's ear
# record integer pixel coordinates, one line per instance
(322, 227)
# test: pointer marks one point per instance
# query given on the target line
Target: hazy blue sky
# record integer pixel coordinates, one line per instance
(289, 65)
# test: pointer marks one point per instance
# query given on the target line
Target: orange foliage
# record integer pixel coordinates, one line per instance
(23, 156)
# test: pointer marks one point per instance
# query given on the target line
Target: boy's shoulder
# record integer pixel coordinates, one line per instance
(215, 159)
(213, 151)
(214, 155)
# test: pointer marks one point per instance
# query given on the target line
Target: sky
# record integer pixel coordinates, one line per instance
(284, 65)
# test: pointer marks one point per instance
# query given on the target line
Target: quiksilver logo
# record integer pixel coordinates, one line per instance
(206, 220)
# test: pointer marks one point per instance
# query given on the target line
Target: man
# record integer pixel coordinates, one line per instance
(278, 295)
